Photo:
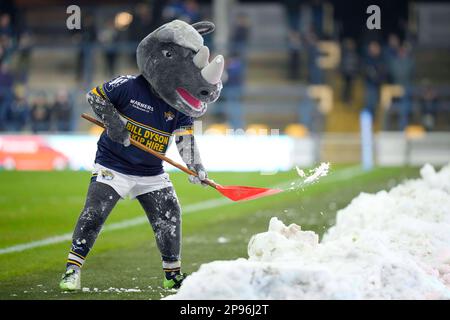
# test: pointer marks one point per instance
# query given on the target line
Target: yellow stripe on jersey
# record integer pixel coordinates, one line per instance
(184, 131)
(98, 91)
(94, 91)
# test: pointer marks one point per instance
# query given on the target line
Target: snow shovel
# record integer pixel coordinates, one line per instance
(235, 193)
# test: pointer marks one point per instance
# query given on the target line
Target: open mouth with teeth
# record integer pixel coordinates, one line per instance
(189, 99)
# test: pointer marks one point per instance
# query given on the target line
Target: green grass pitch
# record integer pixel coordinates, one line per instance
(39, 205)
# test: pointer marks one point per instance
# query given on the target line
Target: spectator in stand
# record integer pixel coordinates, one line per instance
(188, 11)
(349, 68)
(233, 91)
(142, 23)
(315, 72)
(402, 71)
(392, 46)
(86, 37)
(294, 42)
(240, 34)
(40, 114)
(294, 47)
(6, 35)
(374, 75)
(6, 43)
(191, 12)
(108, 37)
(63, 111)
(317, 16)
(25, 47)
(390, 53)
(428, 107)
(6, 93)
(5, 25)
(140, 26)
(2, 54)
(18, 115)
(173, 10)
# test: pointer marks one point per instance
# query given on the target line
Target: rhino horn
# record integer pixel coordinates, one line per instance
(213, 71)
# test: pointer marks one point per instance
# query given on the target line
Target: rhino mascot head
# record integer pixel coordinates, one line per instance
(175, 62)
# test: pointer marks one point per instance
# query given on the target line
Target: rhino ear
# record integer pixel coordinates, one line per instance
(204, 27)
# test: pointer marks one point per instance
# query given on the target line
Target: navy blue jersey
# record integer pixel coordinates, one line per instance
(150, 120)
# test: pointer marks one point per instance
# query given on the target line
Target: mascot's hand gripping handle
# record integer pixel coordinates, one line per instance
(156, 154)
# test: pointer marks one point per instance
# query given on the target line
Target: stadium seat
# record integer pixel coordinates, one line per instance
(296, 130)
(95, 130)
(258, 129)
(217, 128)
(415, 131)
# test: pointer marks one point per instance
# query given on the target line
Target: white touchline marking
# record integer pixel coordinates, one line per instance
(213, 203)
(190, 208)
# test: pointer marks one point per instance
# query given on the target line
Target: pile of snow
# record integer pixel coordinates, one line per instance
(388, 245)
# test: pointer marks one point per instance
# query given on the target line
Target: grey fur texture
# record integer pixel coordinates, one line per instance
(105, 110)
(161, 207)
(166, 59)
(163, 211)
(187, 148)
(100, 200)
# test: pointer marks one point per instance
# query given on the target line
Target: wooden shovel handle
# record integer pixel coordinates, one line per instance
(156, 154)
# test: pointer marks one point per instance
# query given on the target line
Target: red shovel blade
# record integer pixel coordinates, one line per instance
(239, 193)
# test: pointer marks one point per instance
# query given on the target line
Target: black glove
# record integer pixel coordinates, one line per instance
(105, 110)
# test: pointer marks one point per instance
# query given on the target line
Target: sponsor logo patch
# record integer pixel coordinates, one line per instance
(148, 136)
(141, 106)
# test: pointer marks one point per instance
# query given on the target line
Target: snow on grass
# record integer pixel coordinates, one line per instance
(111, 289)
(388, 245)
(222, 240)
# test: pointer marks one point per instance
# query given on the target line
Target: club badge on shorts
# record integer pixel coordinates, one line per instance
(106, 174)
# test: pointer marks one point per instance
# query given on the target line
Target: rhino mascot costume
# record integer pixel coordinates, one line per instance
(176, 83)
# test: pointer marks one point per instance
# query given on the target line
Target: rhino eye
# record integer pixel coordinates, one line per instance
(167, 53)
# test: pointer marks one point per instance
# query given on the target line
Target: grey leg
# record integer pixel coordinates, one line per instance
(100, 200)
(163, 211)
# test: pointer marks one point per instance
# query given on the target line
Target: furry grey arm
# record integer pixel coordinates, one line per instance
(189, 153)
(105, 110)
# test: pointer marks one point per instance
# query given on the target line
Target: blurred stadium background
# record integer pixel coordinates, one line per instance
(309, 71)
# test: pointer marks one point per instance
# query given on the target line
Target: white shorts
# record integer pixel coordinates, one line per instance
(128, 185)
